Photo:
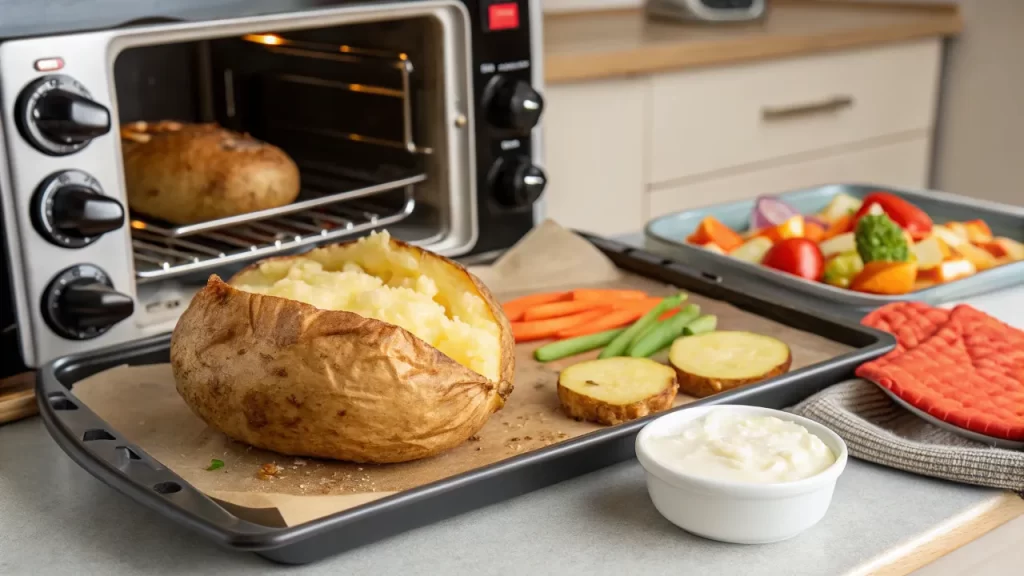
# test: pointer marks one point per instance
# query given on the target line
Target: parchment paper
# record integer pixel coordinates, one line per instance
(142, 404)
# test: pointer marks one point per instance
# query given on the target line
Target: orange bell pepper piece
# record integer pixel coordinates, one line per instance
(886, 278)
(711, 230)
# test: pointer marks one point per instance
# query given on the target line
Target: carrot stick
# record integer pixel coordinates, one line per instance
(608, 294)
(514, 309)
(556, 309)
(611, 320)
(539, 329)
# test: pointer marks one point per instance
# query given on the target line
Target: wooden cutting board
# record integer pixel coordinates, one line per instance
(18, 397)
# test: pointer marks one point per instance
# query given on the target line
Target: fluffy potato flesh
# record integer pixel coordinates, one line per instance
(372, 279)
(716, 361)
(615, 390)
(371, 351)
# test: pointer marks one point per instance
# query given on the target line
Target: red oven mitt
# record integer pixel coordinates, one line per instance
(967, 370)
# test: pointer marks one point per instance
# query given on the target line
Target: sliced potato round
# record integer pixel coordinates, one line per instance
(368, 351)
(713, 362)
(615, 390)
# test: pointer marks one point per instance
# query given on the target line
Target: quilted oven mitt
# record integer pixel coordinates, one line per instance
(961, 366)
(967, 370)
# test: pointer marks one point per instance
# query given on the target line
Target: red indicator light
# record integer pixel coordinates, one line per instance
(49, 64)
(503, 16)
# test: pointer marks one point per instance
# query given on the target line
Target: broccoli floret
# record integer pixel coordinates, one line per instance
(878, 238)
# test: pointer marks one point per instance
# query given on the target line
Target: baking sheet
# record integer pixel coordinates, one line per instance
(141, 403)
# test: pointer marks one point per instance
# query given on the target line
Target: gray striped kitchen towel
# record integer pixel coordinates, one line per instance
(878, 430)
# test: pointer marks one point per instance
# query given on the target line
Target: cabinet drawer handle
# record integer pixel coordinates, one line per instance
(832, 104)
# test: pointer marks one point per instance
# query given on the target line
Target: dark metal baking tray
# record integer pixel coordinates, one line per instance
(666, 236)
(106, 454)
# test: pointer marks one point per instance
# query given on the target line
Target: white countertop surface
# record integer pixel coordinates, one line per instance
(57, 519)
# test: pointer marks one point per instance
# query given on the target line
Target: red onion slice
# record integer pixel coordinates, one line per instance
(770, 211)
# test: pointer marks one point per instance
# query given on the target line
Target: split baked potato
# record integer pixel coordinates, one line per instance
(366, 351)
(189, 173)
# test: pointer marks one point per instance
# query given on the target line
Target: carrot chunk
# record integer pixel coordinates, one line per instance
(711, 229)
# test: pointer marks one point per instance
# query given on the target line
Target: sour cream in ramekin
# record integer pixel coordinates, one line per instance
(740, 474)
(755, 448)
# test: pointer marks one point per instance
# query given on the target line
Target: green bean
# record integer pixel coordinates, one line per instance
(665, 333)
(574, 346)
(622, 342)
(706, 323)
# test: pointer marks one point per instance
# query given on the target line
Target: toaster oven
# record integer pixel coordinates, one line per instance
(417, 116)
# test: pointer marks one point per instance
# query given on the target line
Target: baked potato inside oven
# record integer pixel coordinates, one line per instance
(190, 173)
(367, 351)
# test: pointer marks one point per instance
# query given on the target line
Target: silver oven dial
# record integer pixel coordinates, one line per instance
(70, 209)
(80, 303)
(57, 115)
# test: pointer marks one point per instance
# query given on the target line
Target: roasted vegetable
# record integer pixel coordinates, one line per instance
(841, 270)
(890, 278)
(842, 205)
(770, 211)
(753, 250)
(903, 213)
(711, 230)
(879, 239)
(840, 244)
(930, 252)
(616, 390)
(798, 256)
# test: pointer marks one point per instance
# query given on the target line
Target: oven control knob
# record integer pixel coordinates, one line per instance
(58, 117)
(81, 303)
(517, 183)
(513, 104)
(70, 209)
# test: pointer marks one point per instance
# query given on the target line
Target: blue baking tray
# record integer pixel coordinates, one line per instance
(667, 236)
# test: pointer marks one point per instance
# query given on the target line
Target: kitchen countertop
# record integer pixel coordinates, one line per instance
(593, 45)
(59, 519)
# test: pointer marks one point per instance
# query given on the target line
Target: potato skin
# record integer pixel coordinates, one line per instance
(285, 376)
(188, 173)
(702, 386)
(582, 407)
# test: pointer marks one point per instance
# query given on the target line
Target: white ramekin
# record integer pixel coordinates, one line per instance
(740, 513)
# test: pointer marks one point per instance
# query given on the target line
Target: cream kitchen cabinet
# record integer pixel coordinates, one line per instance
(621, 152)
(594, 154)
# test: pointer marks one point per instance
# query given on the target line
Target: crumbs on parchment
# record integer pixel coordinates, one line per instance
(268, 471)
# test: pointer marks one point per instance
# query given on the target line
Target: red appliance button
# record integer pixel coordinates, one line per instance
(503, 16)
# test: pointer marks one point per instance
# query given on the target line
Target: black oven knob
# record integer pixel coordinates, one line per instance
(513, 104)
(517, 183)
(81, 303)
(57, 115)
(70, 209)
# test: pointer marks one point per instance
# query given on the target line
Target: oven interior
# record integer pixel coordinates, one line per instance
(360, 110)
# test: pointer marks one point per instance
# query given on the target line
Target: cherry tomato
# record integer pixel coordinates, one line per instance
(797, 256)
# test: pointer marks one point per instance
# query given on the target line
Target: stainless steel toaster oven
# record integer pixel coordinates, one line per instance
(418, 116)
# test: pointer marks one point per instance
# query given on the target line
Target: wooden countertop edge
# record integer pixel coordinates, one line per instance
(956, 532)
(18, 397)
(664, 56)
